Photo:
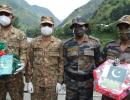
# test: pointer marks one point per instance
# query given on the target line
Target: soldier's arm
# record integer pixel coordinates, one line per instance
(98, 55)
(29, 67)
(65, 62)
(61, 67)
(104, 52)
(24, 51)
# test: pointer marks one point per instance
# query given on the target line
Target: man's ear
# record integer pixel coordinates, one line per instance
(13, 17)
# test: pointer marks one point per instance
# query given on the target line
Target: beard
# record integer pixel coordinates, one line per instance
(125, 37)
(79, 32)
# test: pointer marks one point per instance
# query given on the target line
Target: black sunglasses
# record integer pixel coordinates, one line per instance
(78, 25)
(47, 24)
(122, 26)
(5, 13)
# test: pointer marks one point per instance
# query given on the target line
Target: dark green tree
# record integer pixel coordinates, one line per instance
(15, 22)
(33, 32)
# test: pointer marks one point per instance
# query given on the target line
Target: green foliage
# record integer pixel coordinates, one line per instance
(86, 11)
(63, 33)
(104, 32)
(28, 15)
(111, 10)
(15, 22)
(33, 32)
(120, 11)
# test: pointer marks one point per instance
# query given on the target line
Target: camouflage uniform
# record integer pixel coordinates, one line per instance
(46, 67)
(16, 43)
(78, 67)
(113, 50)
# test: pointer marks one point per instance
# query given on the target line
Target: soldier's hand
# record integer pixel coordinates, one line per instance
(63, 90)
(60, 89)
(21, 68)
(30, 87)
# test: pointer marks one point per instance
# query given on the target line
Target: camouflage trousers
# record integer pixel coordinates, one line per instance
(41, 93)
(13, 85)
(108, 98)
(76, 90)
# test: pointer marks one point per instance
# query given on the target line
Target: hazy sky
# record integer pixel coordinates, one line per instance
(60, 8)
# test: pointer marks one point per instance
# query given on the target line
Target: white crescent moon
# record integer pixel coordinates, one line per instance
(113, 74)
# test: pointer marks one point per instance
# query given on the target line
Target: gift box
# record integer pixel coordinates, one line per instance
(9, 63)
(112, 79)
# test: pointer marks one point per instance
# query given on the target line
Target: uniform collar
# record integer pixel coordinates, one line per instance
(10, 30)
(51, 38)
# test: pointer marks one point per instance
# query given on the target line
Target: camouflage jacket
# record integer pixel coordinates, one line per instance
(113, 50)
(46, 62)
(80, 59)
(16, 42)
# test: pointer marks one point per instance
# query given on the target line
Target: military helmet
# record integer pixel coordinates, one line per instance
(47, 19)
(78, 20)
(6, 8)
(124, 19)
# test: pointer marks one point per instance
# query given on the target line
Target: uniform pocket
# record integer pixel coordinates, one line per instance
(54, 53)
(37, 56)
(37, 52)
(53, 57)
(89, 52)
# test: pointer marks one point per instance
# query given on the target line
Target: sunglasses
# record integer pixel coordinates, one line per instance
(80, 26)
(123, 26)
(5, 13)
(47, 24)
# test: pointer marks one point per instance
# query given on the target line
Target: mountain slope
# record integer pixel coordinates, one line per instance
(111, 10)
(40, 11)
(27, 14)
(86, 11)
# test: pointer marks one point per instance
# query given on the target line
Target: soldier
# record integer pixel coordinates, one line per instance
(46, 63)
(81, 53)
(120, 48)
(16, 43)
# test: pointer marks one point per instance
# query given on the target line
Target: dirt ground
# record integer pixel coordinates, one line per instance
(96, 96)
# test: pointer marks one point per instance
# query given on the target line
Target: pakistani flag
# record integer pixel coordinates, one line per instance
(117, 74)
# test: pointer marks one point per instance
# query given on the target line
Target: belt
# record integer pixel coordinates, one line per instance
(78, 77)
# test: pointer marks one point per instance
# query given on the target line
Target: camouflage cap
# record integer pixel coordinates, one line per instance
(78, 20)
(124, 19)
(47, 19)
(6, 8)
